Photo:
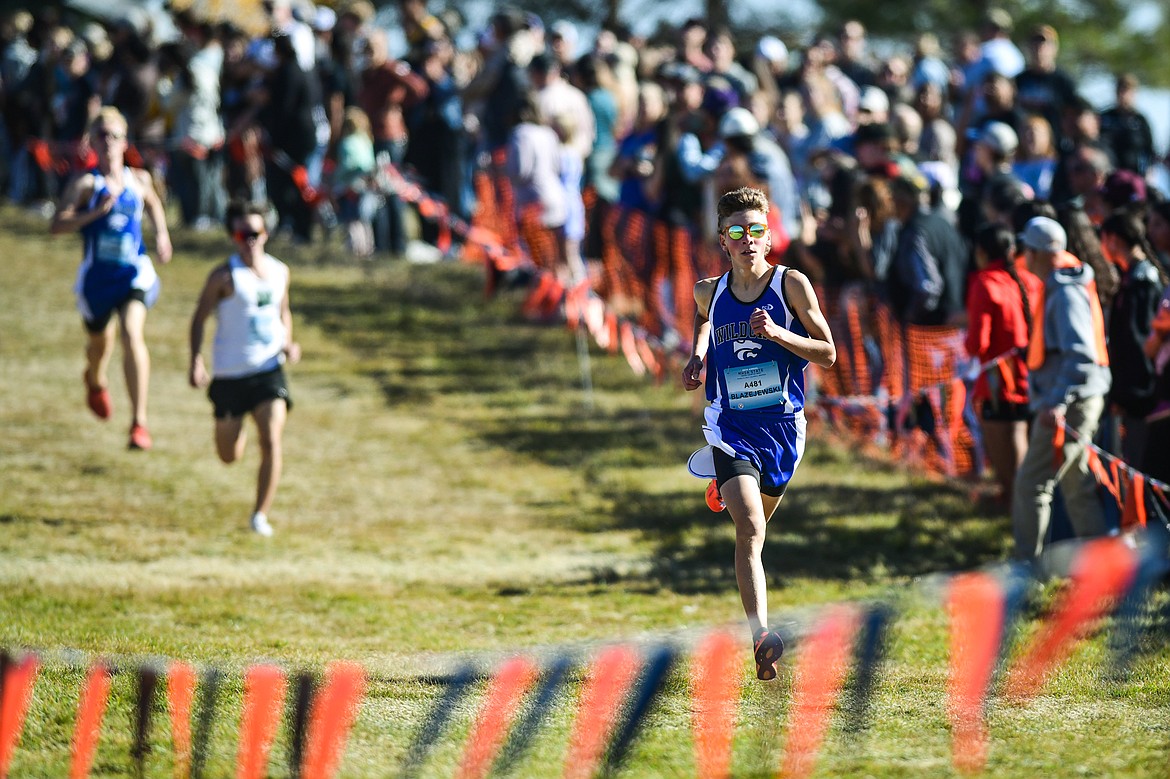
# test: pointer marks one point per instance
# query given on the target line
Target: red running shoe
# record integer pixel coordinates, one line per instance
(768, 646)
(99, 401)
(714, 501)
(140, 437)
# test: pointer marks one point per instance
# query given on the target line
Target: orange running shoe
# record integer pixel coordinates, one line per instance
(768, 647)
(714, 501)
(99, 401)
(140, 437)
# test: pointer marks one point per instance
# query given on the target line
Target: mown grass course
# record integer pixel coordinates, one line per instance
(450, 497)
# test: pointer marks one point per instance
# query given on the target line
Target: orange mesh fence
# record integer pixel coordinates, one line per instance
(683, 274)
(895, 375)
(689, 260)
(484, 218)
(502, 190)
(849, 385)
(624, 250)
(494, 210)
(934, 355)
(540, 241)
(893, 389)
(662, 316)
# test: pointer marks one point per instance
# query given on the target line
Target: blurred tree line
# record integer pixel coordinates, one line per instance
(1094, 34)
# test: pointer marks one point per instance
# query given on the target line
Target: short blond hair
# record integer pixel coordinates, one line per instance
(108, 118)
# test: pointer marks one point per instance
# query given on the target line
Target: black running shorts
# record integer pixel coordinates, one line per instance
(728, 467)
(237, 397)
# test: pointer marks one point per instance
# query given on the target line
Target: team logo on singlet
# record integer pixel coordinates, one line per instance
(745, 349)
(264, 297)
(117, 220)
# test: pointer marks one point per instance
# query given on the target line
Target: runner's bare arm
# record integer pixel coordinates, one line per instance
(818, 347)
(69, 217)
(157, 215)
(218, 287)
(704, 290)
(292, 349)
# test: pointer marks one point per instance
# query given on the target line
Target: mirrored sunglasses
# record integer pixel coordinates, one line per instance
(736, 232)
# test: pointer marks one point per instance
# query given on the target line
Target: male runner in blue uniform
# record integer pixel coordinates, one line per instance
(756, 328)
(106, 203)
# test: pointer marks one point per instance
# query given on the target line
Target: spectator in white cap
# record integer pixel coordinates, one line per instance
(998, 142)
(873, 107)
(994, 152)
(740, 131)
(284, 22)
(771, 63)
(324, 19)
(1068, 380)
(562, 42)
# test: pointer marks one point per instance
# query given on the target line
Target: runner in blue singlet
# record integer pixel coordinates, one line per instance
(106, 204)
(756, 328)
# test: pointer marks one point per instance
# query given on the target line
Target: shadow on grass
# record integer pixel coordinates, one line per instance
(839, 532)
(427, 332)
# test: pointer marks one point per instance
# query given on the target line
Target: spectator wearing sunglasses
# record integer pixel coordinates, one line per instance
(253, 339)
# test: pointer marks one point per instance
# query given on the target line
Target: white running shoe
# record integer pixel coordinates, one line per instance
(260, 525)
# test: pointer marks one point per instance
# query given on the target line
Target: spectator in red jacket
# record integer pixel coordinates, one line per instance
(1000, 301)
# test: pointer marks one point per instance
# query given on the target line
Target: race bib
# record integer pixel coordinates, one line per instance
(754, 386)
(115, 246)
(264, 325)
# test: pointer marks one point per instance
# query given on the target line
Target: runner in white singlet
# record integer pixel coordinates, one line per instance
(253, 338)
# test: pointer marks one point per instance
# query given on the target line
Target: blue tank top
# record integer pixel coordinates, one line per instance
(746, 374)
(117, 236)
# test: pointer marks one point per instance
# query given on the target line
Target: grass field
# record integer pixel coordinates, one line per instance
(449, 497)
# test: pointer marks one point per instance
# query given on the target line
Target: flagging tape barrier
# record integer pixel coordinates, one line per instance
(888, 378)
(835, 649)
(895, 390)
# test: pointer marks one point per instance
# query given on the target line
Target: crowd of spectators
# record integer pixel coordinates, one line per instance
(882, 171)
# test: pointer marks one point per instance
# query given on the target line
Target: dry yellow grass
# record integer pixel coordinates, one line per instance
(448, 499)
